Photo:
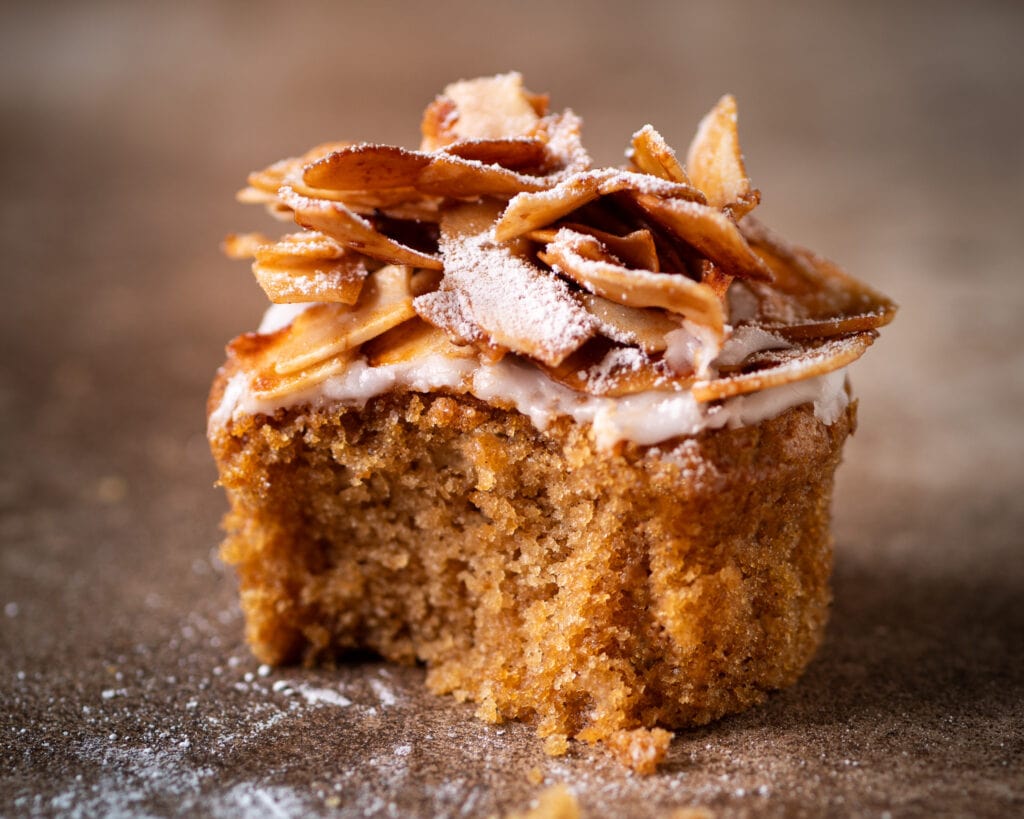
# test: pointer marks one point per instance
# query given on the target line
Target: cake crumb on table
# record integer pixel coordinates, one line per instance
(556, 802)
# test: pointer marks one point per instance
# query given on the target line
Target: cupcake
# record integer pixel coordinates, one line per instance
(564, 434)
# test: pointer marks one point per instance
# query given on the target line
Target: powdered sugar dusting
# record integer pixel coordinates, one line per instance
(518, 305)
(323, 696)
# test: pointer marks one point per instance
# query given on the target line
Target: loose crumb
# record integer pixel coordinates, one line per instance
(556, 802)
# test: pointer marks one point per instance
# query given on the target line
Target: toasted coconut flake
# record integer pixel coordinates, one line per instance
(311, 281)
(301, 267)
(600, 369)
(715, 278)
(516, 153)
(269, 384)
(266, 182)
(645, 329)
(366, 168)
(811, 297)
(582, 259)
(651, 154)
(325, 330)
(412, 340)
(565, 150)
(491, 108)
(447, 310)
(710, 231)
(774, 368)
(715, 163)
(611, 231)
(351, 230)
(530, 211)
(244, 245)
(382, 167)
(518, 306)
(636, 249)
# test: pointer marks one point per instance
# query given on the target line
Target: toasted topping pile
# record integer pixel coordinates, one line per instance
(498, 237)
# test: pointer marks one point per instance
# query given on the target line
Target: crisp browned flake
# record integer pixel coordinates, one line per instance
(365, 168)
(244, 245)
(352, 231)
(412, 340)
(530, 211)
(643, 328)
(710, 232)
(636, 249)
(774, 368)
(651, 154)
(264, 184)
(584, 260)
(368, 168)
(486, 108)
(599, 368)
(517, 153)
(326, 330)
(715, 163)
(268, 383)
(810, 297)
(518, 305)
(309, 267)
(491, 108)
(448, 311)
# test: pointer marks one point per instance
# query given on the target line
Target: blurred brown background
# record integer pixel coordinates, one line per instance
(885, 135)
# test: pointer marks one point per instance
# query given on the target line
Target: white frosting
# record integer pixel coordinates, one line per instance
(281, 315)
(645, 418)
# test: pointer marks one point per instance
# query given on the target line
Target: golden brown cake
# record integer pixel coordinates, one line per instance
(564, 434)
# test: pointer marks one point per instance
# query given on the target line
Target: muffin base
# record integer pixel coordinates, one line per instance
(591, 593)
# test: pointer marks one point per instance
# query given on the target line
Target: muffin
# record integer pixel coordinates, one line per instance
(566, 435)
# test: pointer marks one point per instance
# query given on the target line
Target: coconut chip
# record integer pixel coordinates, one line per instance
(518, 305)
(582, 258)
(497, 236)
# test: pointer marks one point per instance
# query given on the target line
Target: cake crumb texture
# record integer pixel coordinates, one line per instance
(591, 594)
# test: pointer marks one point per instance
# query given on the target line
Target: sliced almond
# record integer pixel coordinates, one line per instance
(715, 163)
(325, 330)
(351, 230)
(582, 259)
(774, 368)
(651, 154)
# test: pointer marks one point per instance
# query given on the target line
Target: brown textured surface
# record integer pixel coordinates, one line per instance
(886, 137)
(587, 593)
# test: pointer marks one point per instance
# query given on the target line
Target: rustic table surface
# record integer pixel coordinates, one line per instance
(885, 135)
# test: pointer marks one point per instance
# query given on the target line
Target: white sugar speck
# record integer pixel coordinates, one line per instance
(326, 696)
